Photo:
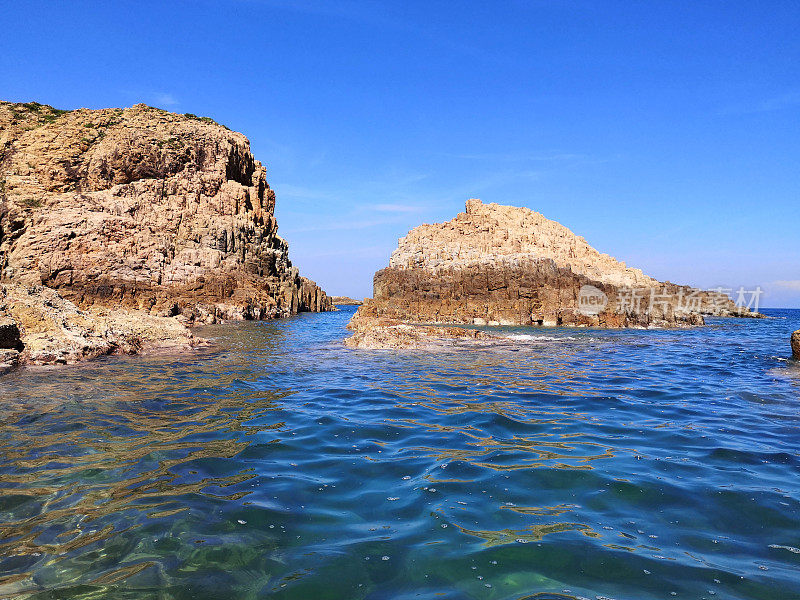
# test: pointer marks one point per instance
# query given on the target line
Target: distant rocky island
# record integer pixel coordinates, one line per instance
(503, 265)
(345, 301)
(118, 227)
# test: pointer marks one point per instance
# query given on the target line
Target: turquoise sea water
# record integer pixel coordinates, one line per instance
(559, 464)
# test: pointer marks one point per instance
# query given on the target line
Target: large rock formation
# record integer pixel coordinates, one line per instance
(502, 265)
(144, 209)
(796, 344)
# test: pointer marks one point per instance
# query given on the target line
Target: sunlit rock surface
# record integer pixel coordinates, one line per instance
(141, 208)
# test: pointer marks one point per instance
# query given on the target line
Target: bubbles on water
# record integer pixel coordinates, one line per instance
(789, 548)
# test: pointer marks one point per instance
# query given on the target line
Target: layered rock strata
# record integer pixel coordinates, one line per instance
(143, 209)
(502, 265)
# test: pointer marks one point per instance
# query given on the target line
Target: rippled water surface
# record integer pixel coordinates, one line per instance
(561, 464)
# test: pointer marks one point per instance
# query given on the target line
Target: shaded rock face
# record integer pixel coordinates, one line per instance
(502, 265)
(143, 209)
(796, 345)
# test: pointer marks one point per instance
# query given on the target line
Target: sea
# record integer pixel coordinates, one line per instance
(554, 464)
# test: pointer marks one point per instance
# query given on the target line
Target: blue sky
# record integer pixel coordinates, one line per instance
(666, 133)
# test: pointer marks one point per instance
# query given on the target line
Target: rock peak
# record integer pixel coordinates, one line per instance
(488, 233)
(473, 205)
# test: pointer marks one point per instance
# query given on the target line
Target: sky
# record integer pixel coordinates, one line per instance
(665, 133)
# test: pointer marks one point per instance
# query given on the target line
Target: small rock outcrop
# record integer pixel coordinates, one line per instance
(143, 209)
(373, 332)
(796, 345)
(38, 326)
(503, 265)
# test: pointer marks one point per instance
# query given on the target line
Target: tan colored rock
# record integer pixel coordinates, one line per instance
(796, 344)
(503, 265)
(491, 234)
(144, 209)
(53, 330)
(372, 332)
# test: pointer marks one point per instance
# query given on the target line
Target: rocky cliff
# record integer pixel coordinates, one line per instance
(796, 345)
(143, 209)
(502, 265)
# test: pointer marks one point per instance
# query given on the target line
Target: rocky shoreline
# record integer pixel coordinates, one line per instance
(120, 227)
(503, 265)
(39, 327)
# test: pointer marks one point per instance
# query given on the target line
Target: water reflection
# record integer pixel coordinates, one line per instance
(616, 464)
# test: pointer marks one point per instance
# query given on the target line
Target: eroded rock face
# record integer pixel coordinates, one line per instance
(502, 265)
(796, 344)
(143, 209)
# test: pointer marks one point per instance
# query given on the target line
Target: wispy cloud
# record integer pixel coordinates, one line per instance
(290, 190)
(350, 252)
(788, 284)
(523, 157)
(164, 99)
(774, 103)
(380, 15)
(397, 208)
(343, 225)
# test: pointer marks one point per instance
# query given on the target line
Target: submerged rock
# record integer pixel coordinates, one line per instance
(796, 344)
(143, 209)
(503, 265)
